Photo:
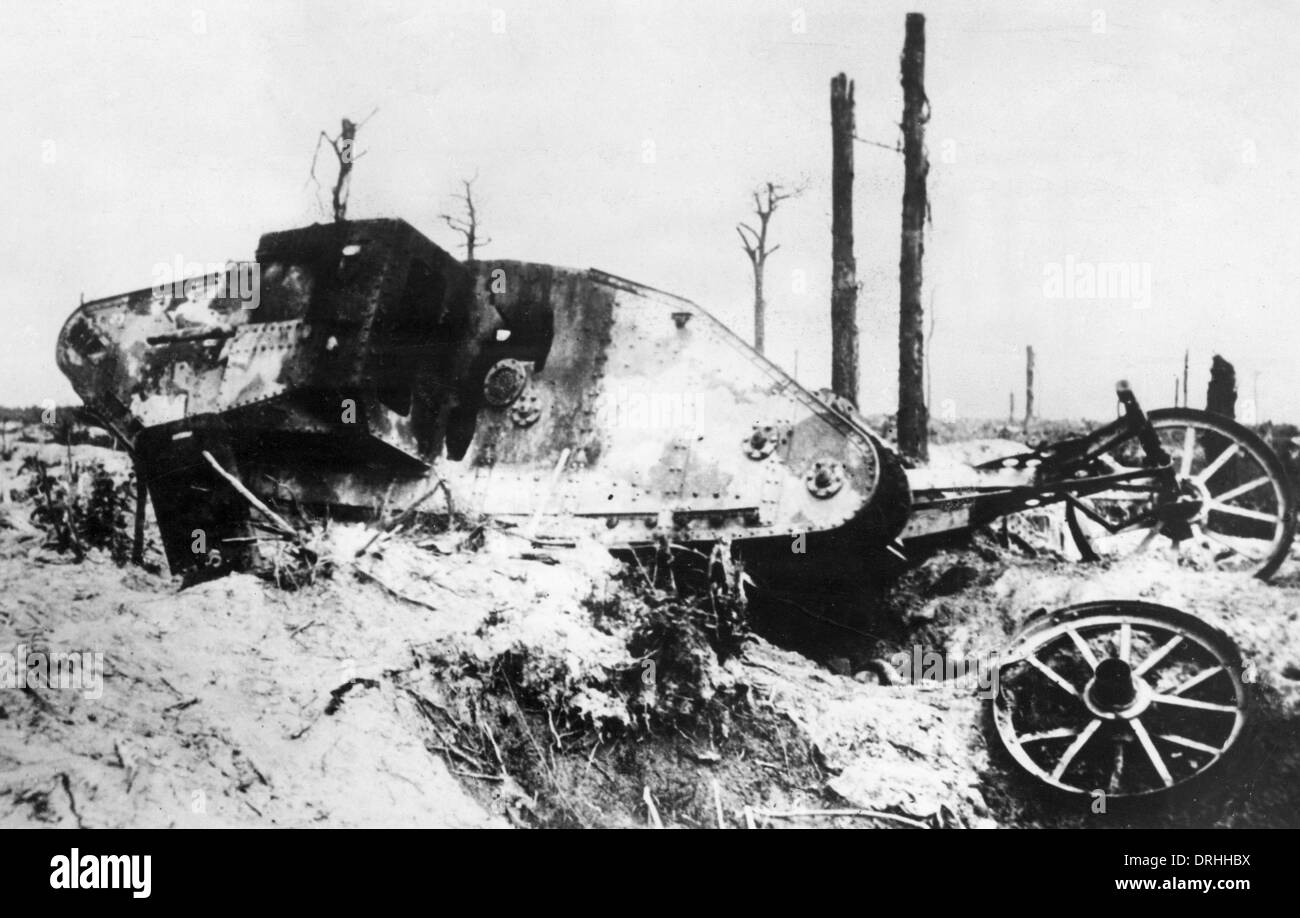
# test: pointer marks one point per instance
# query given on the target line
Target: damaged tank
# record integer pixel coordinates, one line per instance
(371, 365)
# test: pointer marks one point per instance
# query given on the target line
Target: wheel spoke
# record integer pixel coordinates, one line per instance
(1242, 511)
(1240, 490)
(1157, 655)
(1189, 450)
(1147, 539)
(1052, 674)
(1209, 470)
(1084, 650)
(1075, 748)
(1190, 743)
(1236, 550)
(1125, 641)
(1058, 733)
(1182, 702)
(1152, 753)
(1196, 680)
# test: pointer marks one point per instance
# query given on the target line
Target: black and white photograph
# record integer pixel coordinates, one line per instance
(761, 414)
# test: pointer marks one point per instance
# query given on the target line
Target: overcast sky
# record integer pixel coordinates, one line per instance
(1065, 137)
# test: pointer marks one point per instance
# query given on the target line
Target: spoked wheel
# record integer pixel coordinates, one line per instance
(1129, 698)
(1233, 506)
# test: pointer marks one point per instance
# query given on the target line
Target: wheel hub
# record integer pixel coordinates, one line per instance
(1189, 504)
(1114, 692)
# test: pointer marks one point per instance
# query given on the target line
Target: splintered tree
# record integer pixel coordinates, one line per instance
(467, 223)
(1221, 393)
(844, 283)
(766, 199)
(913, 420)
(1029, 385)
(1221, 399)
(345, 151)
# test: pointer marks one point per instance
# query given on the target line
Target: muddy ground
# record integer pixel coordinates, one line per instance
(466, 678)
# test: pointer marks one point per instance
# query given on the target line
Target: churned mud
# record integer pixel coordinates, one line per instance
(465, 677)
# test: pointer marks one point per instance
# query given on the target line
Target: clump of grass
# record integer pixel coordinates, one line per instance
(86, 508)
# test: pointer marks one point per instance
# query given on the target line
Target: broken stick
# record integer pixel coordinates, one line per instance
(252, 498)
(406, 514)
(545, 499)
(651, 810)
(868, 814)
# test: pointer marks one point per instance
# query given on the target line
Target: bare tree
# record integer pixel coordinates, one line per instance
(467, 225)
(1221, 394)
(913, 413)
(1029, 385)
(345, 151)
(844, 283)
(766, 199)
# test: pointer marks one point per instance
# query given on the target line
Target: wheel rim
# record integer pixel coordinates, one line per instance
(1128, 698)
(1232, 508)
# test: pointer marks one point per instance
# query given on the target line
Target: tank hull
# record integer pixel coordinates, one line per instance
(564, 402)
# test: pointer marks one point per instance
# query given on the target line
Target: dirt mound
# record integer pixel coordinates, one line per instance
(473, 678)
(444, 686)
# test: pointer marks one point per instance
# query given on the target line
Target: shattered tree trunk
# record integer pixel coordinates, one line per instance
(1221, 399)
(345, 151)
(844, 282)
(1221, 394)
(913, 424)
(1029, 385)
